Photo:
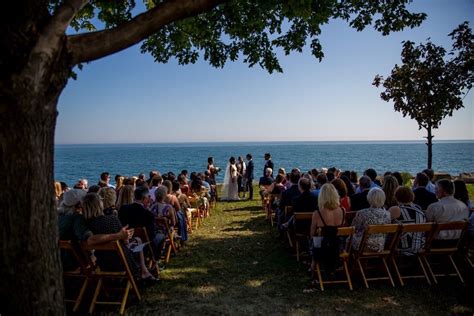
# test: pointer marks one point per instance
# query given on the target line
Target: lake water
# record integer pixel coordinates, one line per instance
(88, 161)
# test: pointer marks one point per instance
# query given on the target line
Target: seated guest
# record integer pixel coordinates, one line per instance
(461, 193)
(105, 180)
(423, 197)
(82, 184)
(99, 223)
(138, 215)
(125, 196)
(200, 193)
(109, 197)
(266, 180)
(329, 213)
(162, 209)
(390, 185)
(408, 212)
(321, 180)
(372, 174)
(375, 214)
(354, 179)
(171, 199)
(58, 190)
(359, 200)
(155, 183)
(95, 188)
(341, 189)
(349, 185)
(398, 176)
(305, 202)
(152, 174)
(374, 183)
(446, 210)
(430, 186)
(72, 226)
(282, 172)
(288, 195)
(314, 175)
(183, 184)
(118, 182)
(277, 186)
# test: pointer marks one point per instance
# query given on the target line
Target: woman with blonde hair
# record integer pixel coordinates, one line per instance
(118, 183)
(125, 196)
(324, 226)
(330, 212)
(59, 190)
(99, 223)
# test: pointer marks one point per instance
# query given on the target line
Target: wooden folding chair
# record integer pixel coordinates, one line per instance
(391, 232)
(82, 272)
(103, 274)
(270, 214)
(196, 212)
(301, 229)
(150, 256)
(170, 245)
(426, 230)
(449, 251)
(345, 233)
(288, 213)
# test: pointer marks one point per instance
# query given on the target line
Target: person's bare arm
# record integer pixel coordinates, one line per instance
(123, 234)
(314, 225)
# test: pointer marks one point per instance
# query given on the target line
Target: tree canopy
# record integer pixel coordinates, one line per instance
(431, 83)
(252, 30)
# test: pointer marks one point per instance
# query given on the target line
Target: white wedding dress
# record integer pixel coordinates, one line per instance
(230, 190)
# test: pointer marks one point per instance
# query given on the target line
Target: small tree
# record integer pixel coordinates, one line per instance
(428, 86)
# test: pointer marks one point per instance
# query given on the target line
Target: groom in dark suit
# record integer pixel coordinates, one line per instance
(249, 175)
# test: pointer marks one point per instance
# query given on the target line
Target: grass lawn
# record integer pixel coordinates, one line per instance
(234, 264)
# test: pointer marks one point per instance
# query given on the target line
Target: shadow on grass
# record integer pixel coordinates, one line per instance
(234, 265)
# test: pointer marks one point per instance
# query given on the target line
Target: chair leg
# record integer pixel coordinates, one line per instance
(320, 277)
(124, 299)
(297, 243)
(348, 276)
(96, 295)
(362, 273)
(289, 239)
(388, 272)
(424, 270)
(429, 269)
(168, 254)
(394, 263)
(456, 268)
(81, 295)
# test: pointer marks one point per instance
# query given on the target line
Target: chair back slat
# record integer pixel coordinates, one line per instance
(460, 226)
(347, 232)
(302, 223)
(417, 228)
(391, 232)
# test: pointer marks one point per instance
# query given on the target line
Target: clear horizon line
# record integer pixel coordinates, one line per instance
(269, 141)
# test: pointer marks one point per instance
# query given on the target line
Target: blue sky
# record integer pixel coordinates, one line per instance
(127, 98)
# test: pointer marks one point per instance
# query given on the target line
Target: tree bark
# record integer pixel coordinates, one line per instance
(30, 266)
(429, 143)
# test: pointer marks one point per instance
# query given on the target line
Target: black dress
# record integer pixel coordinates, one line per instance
(110, 224)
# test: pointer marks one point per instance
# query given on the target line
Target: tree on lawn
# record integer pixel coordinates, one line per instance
(37, 57)
(427, 86)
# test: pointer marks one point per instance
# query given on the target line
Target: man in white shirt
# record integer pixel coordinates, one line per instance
(447, 209)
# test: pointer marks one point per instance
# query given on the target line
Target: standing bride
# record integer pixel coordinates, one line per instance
(230, 189)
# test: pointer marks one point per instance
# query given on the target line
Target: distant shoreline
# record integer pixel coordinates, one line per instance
(316, 142)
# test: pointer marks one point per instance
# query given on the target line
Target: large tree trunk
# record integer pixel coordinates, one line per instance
(30, 266)
(429, 143)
